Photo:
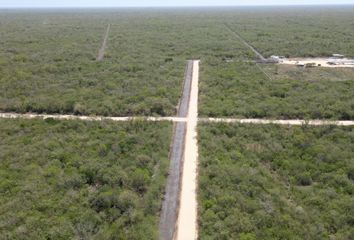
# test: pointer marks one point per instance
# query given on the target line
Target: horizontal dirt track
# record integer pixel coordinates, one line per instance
(279, 122)
(89, 118)
(177, 119)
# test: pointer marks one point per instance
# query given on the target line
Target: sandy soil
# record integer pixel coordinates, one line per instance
(280, 122)
(322, 61)
(176, 119)
(89, 118)
(187, 220)
(170, 205)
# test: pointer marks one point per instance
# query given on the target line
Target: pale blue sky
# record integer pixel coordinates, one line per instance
(154, 3)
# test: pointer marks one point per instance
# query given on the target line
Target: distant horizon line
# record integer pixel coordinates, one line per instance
(177, 6)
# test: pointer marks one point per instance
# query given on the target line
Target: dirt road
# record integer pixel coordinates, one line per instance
(187, 228)
(279, 122)
(104, 44)
(170, 206)
(89, 118)
(176, 119)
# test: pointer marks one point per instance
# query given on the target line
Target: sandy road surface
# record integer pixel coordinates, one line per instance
(279, 122)
(176, 119)
(104, 44)
(187, 228)
(88, 118)
(170, 205)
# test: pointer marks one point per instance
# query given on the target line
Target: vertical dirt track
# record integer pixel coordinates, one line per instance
(170, 206)
(104, 44)
(187, 228)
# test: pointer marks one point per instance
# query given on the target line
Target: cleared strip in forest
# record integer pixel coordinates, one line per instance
(104, 44)
(187, 228)
(279, 122)
(184, 100)
(238, 36)
(170, 206)
(88, 118)
(175, 119)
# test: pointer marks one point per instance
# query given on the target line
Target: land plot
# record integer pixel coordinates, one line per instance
(82, 180)
(275, 182)
(242, 90)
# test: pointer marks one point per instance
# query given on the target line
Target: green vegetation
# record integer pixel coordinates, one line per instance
(81, 180)
(297, 32)
(276, 182)
(315, 74)
(47, 60)
(50, 66)
(240, 89)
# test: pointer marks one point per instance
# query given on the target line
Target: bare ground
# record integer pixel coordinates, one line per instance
(279, 122)
(319, 62)
(170, 206)
(187, 228)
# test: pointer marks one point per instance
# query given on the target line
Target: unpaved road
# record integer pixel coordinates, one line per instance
(169, 212)
(279, 122)
(104, 44)
(259, 55)
(170, 206)
(88, 118)
(184, 100)
(187, 228)
(176, 119)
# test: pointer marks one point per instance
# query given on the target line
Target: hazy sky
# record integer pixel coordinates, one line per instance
(152, 3)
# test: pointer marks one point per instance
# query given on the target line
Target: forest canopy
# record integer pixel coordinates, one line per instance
(82, 180)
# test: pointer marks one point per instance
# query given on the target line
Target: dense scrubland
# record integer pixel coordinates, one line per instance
(312, 74)
(81, 180)
(297, 32)
(276, 182)
(73, 179)
(47, 59)
(239, 89)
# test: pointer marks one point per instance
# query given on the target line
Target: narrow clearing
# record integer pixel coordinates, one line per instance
(187, 217)
(260, 56)
(279, 122)
(170, 206)
(104, 44)
(89, 118)
(176, 119)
